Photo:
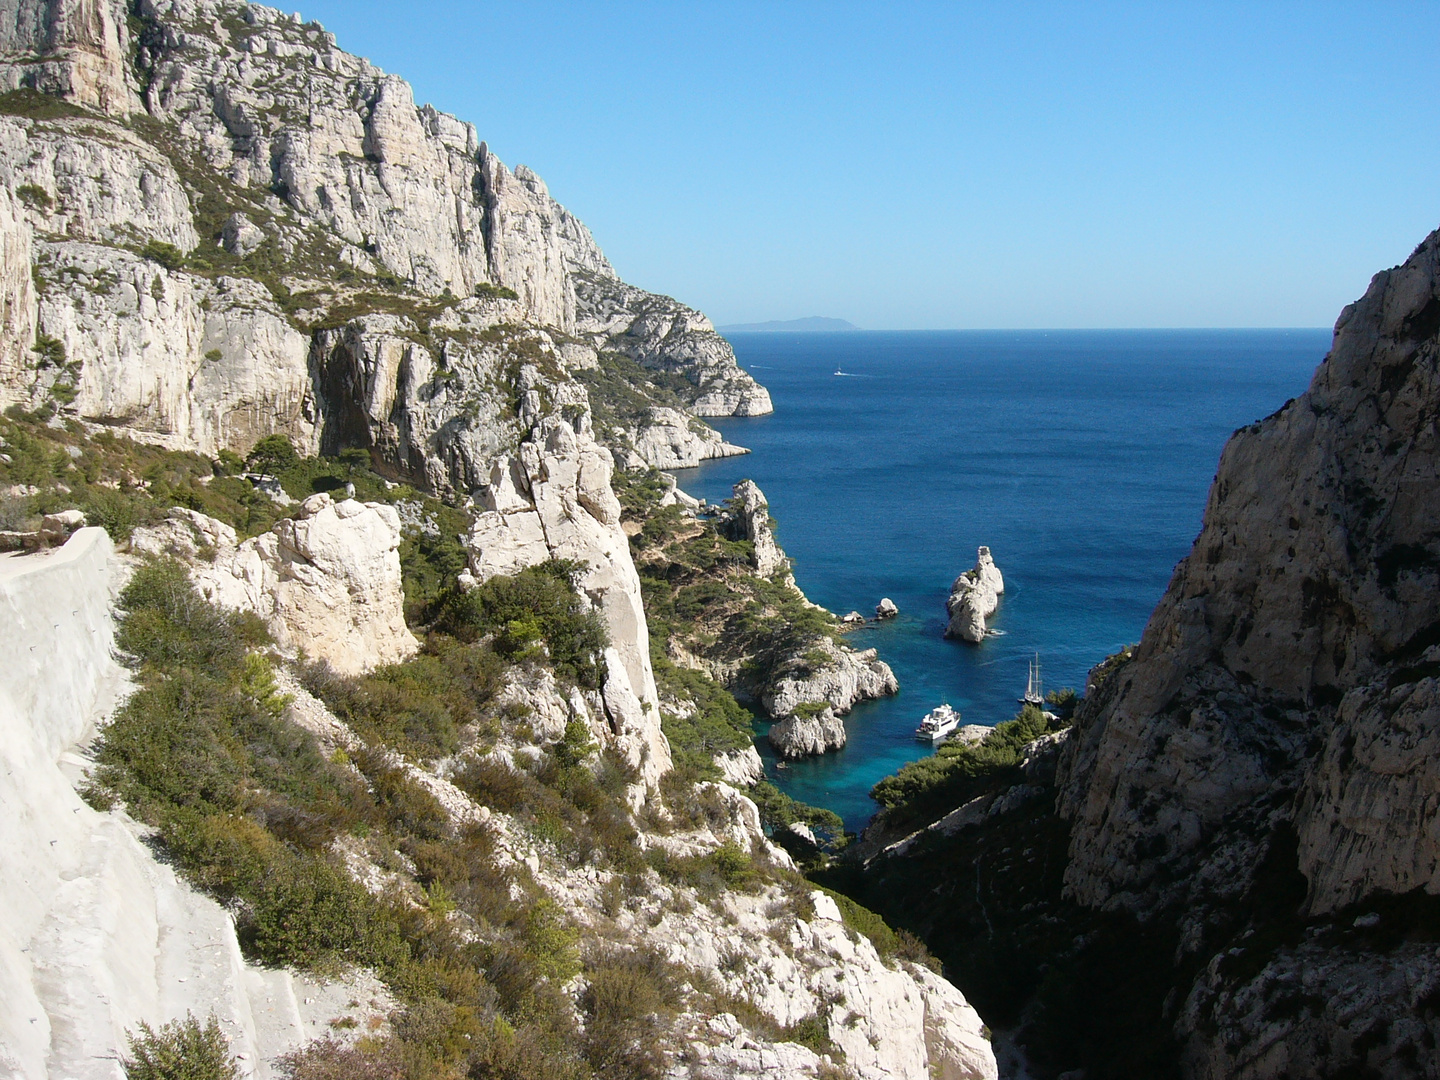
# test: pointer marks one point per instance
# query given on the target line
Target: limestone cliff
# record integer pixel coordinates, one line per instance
(192, 121)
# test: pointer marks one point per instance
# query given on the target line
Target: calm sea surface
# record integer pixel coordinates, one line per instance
(1082, 458)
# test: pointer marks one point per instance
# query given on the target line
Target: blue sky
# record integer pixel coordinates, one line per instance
(917, 165)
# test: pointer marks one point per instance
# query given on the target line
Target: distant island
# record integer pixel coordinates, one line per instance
(805, 326)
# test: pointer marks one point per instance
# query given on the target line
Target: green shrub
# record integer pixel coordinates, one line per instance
(540, 604)
(419, 706)
(167, 255)
(550, 942)
(956, 773)
(272, 455)
(180, 1050)
(35, 197)
(51, 350)
(488, 291)
(627, 996)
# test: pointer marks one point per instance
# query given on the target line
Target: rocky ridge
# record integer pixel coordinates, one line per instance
(211, 110)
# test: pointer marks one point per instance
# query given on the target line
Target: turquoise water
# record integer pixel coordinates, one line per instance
(1082, 458)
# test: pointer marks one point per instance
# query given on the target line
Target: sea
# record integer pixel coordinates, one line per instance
(1082, 459)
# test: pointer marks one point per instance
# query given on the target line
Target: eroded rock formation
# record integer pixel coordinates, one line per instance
(974, 597)
(553, 501)
(326, 581)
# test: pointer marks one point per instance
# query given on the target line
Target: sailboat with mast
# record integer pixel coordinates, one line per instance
(1034, 690)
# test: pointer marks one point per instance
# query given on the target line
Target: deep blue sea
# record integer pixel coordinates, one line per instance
(1082, 458)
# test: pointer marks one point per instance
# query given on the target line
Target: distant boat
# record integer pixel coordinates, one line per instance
(1034, 691)
(839, 372)
(937, 724)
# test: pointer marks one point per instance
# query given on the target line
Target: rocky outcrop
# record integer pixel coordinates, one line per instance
(808, 733)
(835, 674)
(669, 439)
(326, 582)
(73, 49)
(553, 500)
(974, 597)
(886, 609)
(184, 534)
(748, 518)
(659, 333)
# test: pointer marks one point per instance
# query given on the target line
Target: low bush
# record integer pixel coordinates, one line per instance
(180, 1050)
(167, 255)
(418, 706)
(535, 613)
(627, 997)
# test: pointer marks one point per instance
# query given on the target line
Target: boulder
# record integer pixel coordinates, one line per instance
(854, 618)
(327, 582)
(886, 609)
(56, 528)
(241, 236)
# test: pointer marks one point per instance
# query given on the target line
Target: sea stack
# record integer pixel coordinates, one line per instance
(974, 598)
(886, 609)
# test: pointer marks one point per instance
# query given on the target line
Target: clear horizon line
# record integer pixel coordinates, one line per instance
(1001, 329)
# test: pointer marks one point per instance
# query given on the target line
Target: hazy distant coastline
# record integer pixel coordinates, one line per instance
(810, 324)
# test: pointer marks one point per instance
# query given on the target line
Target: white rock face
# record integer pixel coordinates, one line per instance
(741, 768)
(974, 597)
(892, 1022)
(17, 300)
(326, 582)
(846, 677)
(669, 439)
(886, 609)
(75, 49)
(750, 520)
(805, 736)
(553, 500)
(97, 935)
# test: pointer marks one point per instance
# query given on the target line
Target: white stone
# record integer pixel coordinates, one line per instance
(326, 582)
(974, 597)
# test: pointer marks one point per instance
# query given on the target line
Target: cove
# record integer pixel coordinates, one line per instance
(1082, 458)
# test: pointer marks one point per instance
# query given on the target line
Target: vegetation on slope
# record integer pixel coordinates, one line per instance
(254, 813)
(928, 788)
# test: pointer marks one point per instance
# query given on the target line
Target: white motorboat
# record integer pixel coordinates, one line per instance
(938, 723)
